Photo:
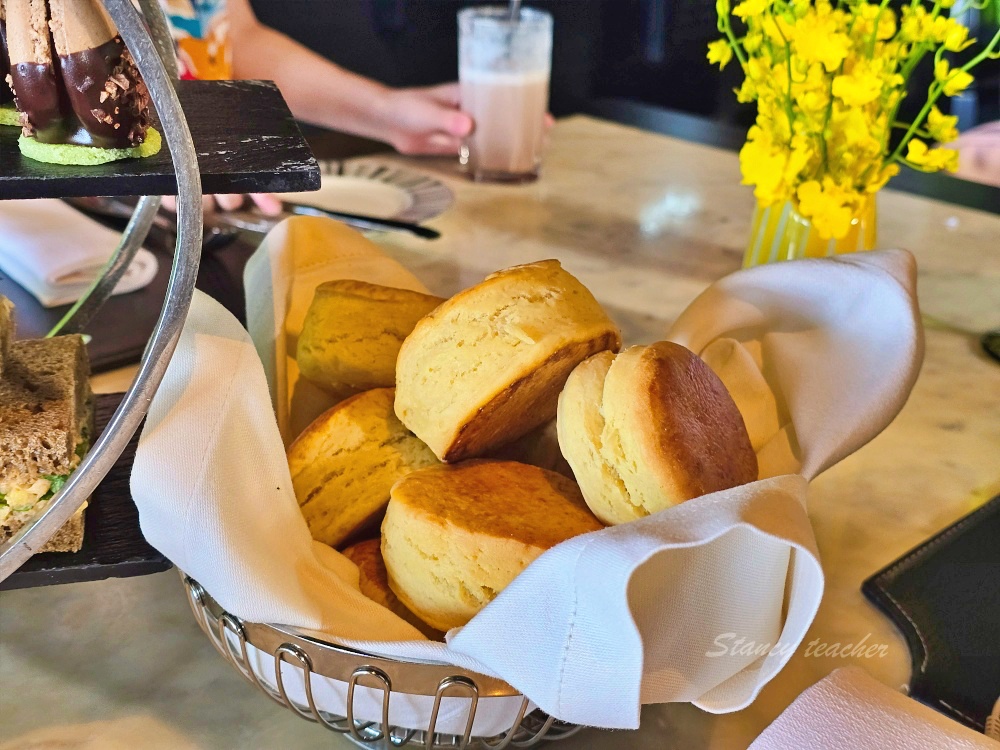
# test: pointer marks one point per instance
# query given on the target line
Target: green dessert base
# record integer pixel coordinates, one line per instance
(88, 156)
(9, 115)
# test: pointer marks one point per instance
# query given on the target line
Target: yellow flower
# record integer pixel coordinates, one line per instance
(917, 25)
(824, 205)
(865, 22)
(954, 81)
(859, 88)
(932, 159)
(752, 41)
(942, 127)
(882, 177)
(720, 52)
(763, 167)
(956, 36)
(751, 8)
(819, 38)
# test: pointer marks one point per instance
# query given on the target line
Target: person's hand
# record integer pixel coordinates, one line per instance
(425, 120)
(267, 204)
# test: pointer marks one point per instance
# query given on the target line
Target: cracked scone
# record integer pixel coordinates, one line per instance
(345, 462)
(353, 331)
(650, 428)
(486, 367)
(454, 536)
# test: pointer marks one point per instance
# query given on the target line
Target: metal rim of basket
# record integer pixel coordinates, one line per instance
(390, 676)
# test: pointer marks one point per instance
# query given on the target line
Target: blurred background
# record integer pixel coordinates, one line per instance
(606, 52)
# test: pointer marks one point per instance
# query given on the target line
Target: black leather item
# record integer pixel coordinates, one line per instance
(945, 598)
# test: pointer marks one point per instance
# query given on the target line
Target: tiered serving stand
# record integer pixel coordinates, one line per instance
(248, 143)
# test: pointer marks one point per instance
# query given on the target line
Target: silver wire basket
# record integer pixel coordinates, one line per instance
(310, 659)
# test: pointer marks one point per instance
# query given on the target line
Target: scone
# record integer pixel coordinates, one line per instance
(353, 331)
(487, 366)
(374, 583)
(344, 463)
(454, 536)
(651, 428)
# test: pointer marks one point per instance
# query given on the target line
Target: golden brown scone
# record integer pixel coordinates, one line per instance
(454, 536)
(344, 463)
(651, 428)
(487, 366)
(374, 583)
(353, 331)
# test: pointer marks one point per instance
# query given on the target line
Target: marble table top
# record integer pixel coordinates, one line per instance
(646, 222)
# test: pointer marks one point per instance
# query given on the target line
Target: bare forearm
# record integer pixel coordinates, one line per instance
(414, 121)
(317, 90)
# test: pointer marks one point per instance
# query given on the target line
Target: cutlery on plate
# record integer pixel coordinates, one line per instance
(364, 222)
(255, 222)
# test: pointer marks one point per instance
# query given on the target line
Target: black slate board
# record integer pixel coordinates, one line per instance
(113, 545)
(246, 139)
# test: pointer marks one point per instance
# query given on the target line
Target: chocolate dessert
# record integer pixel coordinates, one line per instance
(74, 81)
(6, 95)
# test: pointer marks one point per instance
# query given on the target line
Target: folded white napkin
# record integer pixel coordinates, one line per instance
(850, 710)
(820, 355)
(55, 252)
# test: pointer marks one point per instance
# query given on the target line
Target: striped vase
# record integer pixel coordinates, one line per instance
(780, 232)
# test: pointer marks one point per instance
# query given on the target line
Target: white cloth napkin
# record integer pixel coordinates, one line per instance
(55, 252)
(850, 710)
(821, 356)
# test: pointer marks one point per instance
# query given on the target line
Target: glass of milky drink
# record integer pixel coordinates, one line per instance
(503, 70)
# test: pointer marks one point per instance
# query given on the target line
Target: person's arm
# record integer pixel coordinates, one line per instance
(413, 121)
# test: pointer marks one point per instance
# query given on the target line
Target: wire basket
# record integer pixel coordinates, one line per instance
(309, 659)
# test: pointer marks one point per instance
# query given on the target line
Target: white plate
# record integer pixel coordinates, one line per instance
(374, 188)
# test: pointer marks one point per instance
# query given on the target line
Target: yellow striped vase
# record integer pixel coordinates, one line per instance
(780, 232)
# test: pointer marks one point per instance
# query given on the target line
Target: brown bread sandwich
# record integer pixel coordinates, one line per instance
(46, 425)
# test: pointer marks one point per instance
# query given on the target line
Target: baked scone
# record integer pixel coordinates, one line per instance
(353, 331)
(374, 583)
(487, 366)
(649, 428)
(454, 536)
(344, 463)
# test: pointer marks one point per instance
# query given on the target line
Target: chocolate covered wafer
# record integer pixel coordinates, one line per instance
(73, 78)
(105, 91)
(33, 76)
(6, 95)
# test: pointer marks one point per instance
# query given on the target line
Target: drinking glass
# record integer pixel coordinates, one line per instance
(503, 71)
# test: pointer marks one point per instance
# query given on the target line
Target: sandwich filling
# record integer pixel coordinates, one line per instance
(22, 501)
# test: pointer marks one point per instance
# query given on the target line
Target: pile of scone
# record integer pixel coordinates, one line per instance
(454, 401)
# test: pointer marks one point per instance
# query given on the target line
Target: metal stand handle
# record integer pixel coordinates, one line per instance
(183, 273)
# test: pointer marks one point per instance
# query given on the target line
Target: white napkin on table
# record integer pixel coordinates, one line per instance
(821, 354)
(850, 710)
(55, 252)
